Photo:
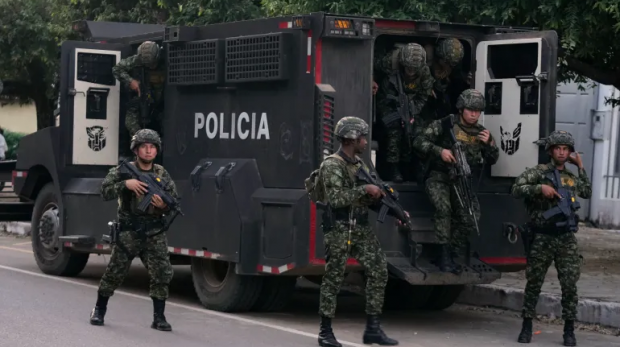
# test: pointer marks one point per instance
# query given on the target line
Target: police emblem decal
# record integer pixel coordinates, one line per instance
(510, 141)
(96, 138)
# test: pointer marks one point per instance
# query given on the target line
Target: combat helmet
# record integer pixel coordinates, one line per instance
(148, 53)
(351, 128)
(560, 137)
(470, 99)
(412, 55)
(450, 51)
(145, 136)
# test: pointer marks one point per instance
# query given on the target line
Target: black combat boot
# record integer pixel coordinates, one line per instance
(326, 334)
(526, 331)
(445, 261)
(397, 177)
(375, 335)
(569, 333)
(159, 320)
(98, 313)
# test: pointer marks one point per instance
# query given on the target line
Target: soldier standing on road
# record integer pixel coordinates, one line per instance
(550, 242)
(350, 233)
(479, 147)
(149, 59)
(410, 63)
(135, 229)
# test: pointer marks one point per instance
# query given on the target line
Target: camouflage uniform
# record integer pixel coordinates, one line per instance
(134, 239)
(148, 58)
(350, 235)
(551, 244)
(417, 90)
(430, 143)
(446, 72)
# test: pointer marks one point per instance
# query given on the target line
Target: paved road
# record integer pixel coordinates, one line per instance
(37, 310)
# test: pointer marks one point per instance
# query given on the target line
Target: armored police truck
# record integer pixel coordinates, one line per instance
(250, 109)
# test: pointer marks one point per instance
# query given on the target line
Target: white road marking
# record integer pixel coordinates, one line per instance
(187, 307)
(22, 243)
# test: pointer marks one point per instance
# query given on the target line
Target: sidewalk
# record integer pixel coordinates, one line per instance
(599, 284)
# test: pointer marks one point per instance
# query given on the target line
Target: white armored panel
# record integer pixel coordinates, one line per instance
(96, 104)
(505, 74)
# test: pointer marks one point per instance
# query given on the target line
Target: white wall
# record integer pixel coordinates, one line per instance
(605, 202)
(18, 118)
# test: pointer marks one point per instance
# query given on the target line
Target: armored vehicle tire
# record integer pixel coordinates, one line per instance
(219, 288)
(443, 297)
(275, 294)
(400, 295)
(45, 230)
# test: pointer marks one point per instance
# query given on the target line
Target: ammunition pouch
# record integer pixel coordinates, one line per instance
(392, 120)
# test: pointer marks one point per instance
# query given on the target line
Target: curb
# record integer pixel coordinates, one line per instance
(588, 310)
(15, 228)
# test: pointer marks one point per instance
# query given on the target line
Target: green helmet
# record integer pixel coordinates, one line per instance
(145, 136)
(351, 128)
(470, 99)
(450, 51)
(558, 137)
(148, 53)
(412, 55)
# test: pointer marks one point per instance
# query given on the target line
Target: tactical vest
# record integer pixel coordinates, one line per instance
(468, 138)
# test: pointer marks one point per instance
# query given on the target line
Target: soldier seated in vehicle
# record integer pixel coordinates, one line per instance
(435, 143)
(144, 74)
(403, 69)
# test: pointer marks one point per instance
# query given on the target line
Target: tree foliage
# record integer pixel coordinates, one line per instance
(29, 44)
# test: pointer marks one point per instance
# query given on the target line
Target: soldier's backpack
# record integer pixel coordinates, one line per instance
(314, 183)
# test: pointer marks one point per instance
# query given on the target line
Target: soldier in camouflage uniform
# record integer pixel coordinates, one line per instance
(135, 228)
(350, 233)
(446, 72)
(410, 62)
(434, 142)
(148, 58)
(551, 243)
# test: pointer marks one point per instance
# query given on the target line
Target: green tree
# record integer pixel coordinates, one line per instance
(30, 33)
(587, 28)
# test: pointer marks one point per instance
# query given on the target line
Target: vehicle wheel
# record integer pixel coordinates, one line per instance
(443, 297)
(46, 228)
(219, 288)
(400, 295)
(275, 294)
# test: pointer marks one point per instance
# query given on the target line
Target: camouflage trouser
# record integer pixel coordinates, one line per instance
(564, 252)
(132, 120)
(154, 255)
(398, 150)
(453, 224)
(366, 250)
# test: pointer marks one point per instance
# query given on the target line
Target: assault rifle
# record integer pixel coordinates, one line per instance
(403, 110)
(567, 206)
(460, 173)
(389, 203)
(155, 187)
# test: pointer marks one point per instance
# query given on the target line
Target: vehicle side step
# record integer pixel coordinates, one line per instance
(79, 240)
(428, 274)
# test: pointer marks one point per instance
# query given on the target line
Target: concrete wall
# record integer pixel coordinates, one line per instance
(18, 118)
